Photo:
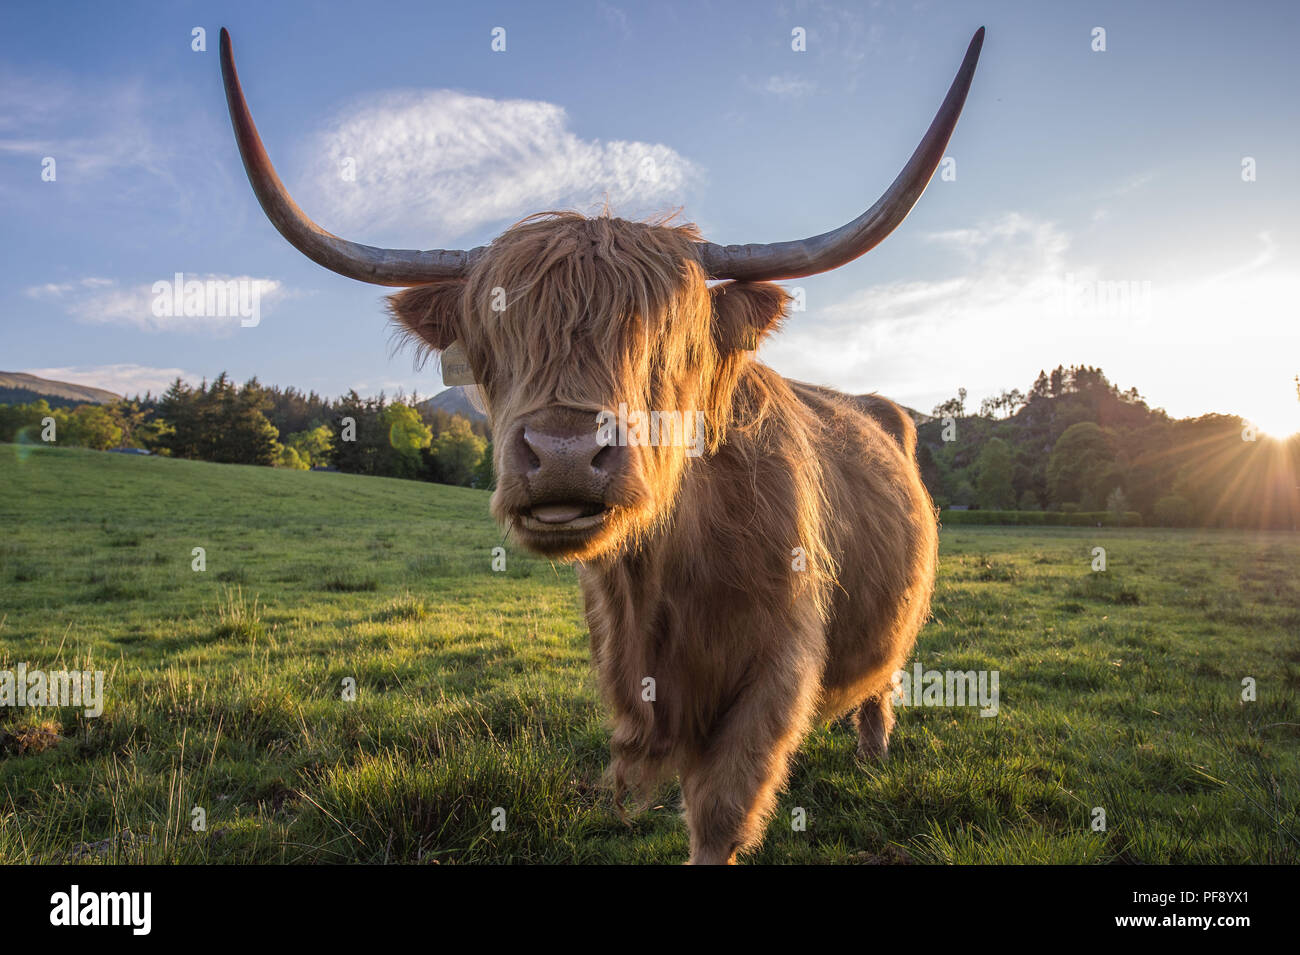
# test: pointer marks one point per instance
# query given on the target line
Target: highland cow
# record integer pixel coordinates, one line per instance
(734, 597)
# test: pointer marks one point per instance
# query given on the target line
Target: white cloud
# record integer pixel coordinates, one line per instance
(116, 132)
(917, 341)
(616, 17)
(59, 289)
(787, 86)
(1019, 302)
(434, 165)
(124, 141)
(106, 301)
(125, 380)
(843, 37)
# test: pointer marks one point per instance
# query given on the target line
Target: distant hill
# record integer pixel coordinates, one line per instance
(453, 401)
(19, 388)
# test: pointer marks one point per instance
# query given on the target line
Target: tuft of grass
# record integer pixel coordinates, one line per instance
(1107, 587)
(990, 568)
(405, 606)
(350, 583)
(238, 618)
(112, 585)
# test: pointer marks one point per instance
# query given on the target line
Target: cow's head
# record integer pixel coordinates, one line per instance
(606, 362)
(599, 343)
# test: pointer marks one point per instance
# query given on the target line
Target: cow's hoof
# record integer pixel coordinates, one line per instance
(873, 751)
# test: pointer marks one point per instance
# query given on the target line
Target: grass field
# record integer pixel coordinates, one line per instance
(1120, 690)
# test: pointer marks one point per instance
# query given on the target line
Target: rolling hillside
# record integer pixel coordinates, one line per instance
(20, 388)
(224, 688)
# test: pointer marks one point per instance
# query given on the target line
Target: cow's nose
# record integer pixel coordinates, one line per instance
(568, 464)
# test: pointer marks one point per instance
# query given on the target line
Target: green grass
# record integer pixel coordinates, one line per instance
(223, 689)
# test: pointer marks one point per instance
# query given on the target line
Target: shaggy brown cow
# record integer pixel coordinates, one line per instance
(733, 597)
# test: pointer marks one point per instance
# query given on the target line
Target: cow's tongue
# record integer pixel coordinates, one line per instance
(557, 513)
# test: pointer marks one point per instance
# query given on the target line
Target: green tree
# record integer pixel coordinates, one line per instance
(154, 435)
(290, 459)
(993, 488)
(457, 453)
(179, 407)
(962, 491)
(22, 423)
(1081, 469)
(313, 446)
(407, 436)
(355, 434)
(219, 422)
(953, 407)
(94, 426)
(242, 433)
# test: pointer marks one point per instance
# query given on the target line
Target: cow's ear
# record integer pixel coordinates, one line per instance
(743, 313)
(429, 315)
(746, 312)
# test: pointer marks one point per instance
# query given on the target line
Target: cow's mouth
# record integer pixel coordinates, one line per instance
(563, 516)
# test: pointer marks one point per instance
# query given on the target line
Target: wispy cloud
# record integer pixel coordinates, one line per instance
(840, 37)
(919, 340)
(106, 301)
(1120, 190)
(120, 141)
(1017, 297)
(91, 131)
(615, 17)
(439, 164)
(784, 86)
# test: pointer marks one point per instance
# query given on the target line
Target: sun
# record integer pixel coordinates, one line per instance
(1279, 422)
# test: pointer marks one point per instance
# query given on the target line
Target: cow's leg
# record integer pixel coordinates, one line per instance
(875, 721)
(729, 790)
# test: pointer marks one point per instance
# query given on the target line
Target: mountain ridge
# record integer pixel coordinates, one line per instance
(49, 388)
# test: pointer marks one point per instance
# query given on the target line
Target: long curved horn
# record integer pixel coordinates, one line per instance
(821, 253)
(363, 262)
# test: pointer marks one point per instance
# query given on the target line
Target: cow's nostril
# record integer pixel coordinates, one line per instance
(530, 453)
(604, 458)
(565, 461)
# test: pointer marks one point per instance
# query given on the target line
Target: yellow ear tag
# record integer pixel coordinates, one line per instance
(455, 366)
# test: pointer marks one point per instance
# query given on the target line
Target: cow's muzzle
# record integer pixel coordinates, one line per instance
(570, 476)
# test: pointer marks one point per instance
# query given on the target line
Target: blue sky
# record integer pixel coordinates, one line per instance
(1079, 174)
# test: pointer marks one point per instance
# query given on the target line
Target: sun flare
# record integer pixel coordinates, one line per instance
(1279, 422)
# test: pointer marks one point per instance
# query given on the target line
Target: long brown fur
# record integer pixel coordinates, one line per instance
(778, 579)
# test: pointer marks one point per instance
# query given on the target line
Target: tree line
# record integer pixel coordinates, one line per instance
(1074, 443)
(1077, 443)
(223, 422)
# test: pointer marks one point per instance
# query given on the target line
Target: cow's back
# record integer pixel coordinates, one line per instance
(883, 535)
